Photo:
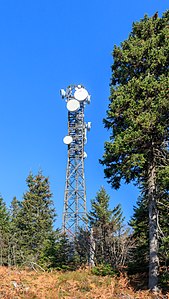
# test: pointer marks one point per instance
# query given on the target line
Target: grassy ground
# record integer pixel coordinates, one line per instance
(81, 284)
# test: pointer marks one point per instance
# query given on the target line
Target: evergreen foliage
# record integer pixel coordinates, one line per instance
(138, 118)
(100, 221)
(139, 223)
(110, 237)
(4, 217)
(32, 220)
(15, 233)
(82, 246)
(27, 235)
(4, 233)
(163, 208)
(65, 257)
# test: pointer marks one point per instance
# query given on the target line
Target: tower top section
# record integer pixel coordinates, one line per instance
(74, 95)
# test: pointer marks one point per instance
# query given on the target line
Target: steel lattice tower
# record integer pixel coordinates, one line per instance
(74, 212)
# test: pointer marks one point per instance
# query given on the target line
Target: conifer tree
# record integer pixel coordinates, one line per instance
(108, 231)
(4, 233)
(15, 233)
(14, 208)
(83, 246)
(100, 219)
(138, 117)
(64, 252)
(139, 224)
(49, 254)
(35, 219)
(100, 213)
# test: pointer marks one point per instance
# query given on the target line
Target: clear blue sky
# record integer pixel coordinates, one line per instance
(45, 46)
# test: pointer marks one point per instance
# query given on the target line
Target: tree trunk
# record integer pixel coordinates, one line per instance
(153, 231)
(92, 249)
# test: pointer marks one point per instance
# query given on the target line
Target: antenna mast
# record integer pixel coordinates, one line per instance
(74, 212)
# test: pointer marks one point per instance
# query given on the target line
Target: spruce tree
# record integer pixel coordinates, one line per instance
(49, 254)
(100, 213)
(35, 219)
(138, 117)
(100, 219)
(83, 247)
(64, 253)
(14, 208)
(139, 224)
(4, 233)
(108, 230)
(15, 233)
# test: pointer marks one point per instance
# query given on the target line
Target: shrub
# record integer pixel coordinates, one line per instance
(103, 270)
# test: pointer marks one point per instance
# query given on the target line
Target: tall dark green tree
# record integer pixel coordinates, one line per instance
(4, 232)
(163, 208)
(108, 231)
(139, 224)
(15, 233)
(34, 221)
(100, 213)
(65, 253)
(138, 118)
(14, 208)
(82, 247)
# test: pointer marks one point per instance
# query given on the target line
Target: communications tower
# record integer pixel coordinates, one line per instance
(74, 212)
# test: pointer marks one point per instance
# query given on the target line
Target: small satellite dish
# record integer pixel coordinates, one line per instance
(81, 94)
(85, 155)
(67, 139)
(73, 105)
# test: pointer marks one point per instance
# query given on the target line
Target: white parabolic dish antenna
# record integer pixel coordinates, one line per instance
(81, 94)
(67, 139)
(73, 105)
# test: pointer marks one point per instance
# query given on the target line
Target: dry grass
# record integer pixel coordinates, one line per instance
(81, 284)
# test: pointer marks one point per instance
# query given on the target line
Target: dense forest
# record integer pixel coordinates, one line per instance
(138, 122)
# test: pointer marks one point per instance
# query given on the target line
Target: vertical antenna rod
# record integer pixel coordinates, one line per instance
(74, 213)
